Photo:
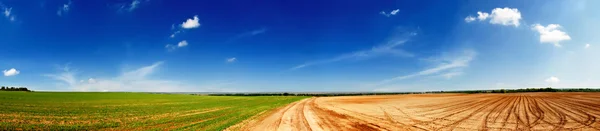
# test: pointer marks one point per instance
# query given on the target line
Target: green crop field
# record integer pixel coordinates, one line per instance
(129, 111)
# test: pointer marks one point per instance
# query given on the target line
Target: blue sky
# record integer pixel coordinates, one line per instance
(308, 46)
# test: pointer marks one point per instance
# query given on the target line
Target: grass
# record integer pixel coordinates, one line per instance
(129, 111)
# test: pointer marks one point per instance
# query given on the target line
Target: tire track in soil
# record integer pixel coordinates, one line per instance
(518, 111)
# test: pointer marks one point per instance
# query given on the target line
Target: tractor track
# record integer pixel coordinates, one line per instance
(518, 111)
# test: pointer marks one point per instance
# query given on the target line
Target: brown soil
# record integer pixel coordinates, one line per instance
(519, 111)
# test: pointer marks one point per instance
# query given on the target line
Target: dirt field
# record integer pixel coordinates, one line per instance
(518, 111)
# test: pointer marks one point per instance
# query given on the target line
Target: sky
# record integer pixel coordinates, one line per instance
(299, 46)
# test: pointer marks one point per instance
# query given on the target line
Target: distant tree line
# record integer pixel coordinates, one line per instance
(5, 88)
(398, 93)
(549, 89)
(310, 94)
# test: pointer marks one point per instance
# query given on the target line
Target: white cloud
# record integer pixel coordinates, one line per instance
(551, 34)
(64, 9)
(130, 6)
(387, 48)
(454, 63)
(248, 34)
(91, 80)
(66, 75)
(230, 60)
(181, 44)
(133, 5)
(552, 80)
(503, 16)
(8, 12)
(134, 80)
(11, 72)
(175, 33)
(393, 12)
(482, 15)
(259, 31)
(450, 75)
(191, 23)
(587, 46)
(469, 19)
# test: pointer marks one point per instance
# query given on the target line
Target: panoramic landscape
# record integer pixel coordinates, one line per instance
(310, 65)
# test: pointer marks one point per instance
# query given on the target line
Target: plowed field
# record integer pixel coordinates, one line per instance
(518, 111)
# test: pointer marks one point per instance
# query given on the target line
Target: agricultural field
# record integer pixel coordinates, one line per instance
(129, 111)
(514, 111)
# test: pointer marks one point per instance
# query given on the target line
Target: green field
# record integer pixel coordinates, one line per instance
(129, 111)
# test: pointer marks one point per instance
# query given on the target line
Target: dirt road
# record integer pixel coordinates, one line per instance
(519, 111)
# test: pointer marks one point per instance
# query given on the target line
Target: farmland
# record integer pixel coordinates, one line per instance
(514, 111)
(129, 111)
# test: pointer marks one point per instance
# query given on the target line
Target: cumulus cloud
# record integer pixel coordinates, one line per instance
(392, 13)
(64, 9)
(482, 15)
(181, 44)
(386, 48)
(502, 16)
(469, 19)
(552, 80)
(11, 72)
(191, 23)
(505, 16)
(230, 60)
(452, 63)
(551, 34)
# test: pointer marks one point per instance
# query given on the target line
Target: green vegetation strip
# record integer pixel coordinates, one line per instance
(129, 111)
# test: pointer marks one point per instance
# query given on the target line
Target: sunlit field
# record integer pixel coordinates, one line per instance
(129, 111)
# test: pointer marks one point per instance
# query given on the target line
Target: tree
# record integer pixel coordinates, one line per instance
(3, 88)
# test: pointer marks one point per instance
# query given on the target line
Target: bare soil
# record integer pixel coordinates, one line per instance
(518, 111)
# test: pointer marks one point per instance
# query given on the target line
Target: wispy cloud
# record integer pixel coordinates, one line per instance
(131, 80)
(130, 6)
(587, 46)
(392, 13)
(64, 9)
(181, 44)
(450, 64)
(7, 11)
(552, 81)
(65, 75)
(387, 48)
(469, 19)
(248, 34)
(231, 60)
